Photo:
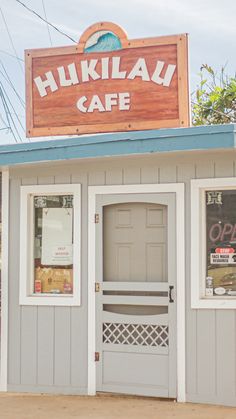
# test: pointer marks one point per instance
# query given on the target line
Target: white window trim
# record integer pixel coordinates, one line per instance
(4, 279)
(198, 244)
(26, 246)
(93, 192)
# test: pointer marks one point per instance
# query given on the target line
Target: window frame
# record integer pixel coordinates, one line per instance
(198, 243)
(26, 295)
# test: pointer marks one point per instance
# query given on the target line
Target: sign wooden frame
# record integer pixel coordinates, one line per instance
(182, 119)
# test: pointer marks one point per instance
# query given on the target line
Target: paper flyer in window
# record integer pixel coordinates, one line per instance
(57, 236)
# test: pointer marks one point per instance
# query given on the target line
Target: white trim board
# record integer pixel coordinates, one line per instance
(178, 189)
(4, 280)
(198, 243)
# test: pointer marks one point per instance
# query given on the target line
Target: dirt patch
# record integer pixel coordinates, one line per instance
(18, 406)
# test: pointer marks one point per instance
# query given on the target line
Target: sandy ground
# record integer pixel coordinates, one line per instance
(18, 406)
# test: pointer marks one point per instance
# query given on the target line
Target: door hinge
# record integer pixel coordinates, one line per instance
(96, 218)
(97, 287)
(96, 356)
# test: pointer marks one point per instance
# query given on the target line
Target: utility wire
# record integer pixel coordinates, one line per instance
(4, 122)
(10, 55)
(17, 116)
(7, 78)
(5, 106)
(44, 20)
(20, 115)
(11, 40)
(9, 119)
(13, 113)
(6, 95)
(49, 34)
(12, 107)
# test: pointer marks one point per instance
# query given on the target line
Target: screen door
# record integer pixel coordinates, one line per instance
(135, 298)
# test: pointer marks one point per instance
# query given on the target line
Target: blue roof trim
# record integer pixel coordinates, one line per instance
(119, 144)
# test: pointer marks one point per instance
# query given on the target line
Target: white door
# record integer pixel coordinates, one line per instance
(135, 303)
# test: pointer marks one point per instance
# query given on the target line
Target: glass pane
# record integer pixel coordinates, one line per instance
(53, 244)
(221, 243)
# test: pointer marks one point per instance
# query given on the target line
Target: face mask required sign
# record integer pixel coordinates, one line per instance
(219, 258)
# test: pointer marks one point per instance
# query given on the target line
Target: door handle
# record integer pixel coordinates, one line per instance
(171, 300)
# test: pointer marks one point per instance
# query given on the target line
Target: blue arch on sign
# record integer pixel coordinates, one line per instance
(106, 42)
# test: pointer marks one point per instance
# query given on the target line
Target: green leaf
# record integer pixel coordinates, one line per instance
(214, 98)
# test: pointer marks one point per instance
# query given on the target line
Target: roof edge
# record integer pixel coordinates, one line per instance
(115, 144)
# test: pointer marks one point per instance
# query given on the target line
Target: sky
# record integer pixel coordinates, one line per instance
(210, 24)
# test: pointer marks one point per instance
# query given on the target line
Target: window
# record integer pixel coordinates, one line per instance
(213, 243)
(213, 250)
(50, 245)
(221, 242)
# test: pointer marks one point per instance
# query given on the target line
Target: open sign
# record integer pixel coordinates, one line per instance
(219, 232)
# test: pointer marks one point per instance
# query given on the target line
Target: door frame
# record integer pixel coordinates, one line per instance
(178, 189)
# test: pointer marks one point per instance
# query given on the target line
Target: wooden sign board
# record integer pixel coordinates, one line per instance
(107, 83)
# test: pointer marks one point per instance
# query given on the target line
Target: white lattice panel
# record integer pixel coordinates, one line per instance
(135, 334)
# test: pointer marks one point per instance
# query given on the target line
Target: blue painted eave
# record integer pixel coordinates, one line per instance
(120, 144)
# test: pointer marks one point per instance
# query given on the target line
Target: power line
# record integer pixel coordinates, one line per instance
(49, 34)
(4, 122)
(11, 40)
(6, 95)
(44, 20)
(7, 78)
(9, 117)
(15, 113)
(6, 109)
(11, 55)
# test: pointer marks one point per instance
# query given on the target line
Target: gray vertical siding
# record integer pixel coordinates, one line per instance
(48, 345)
(211, 344)
(14, 317)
